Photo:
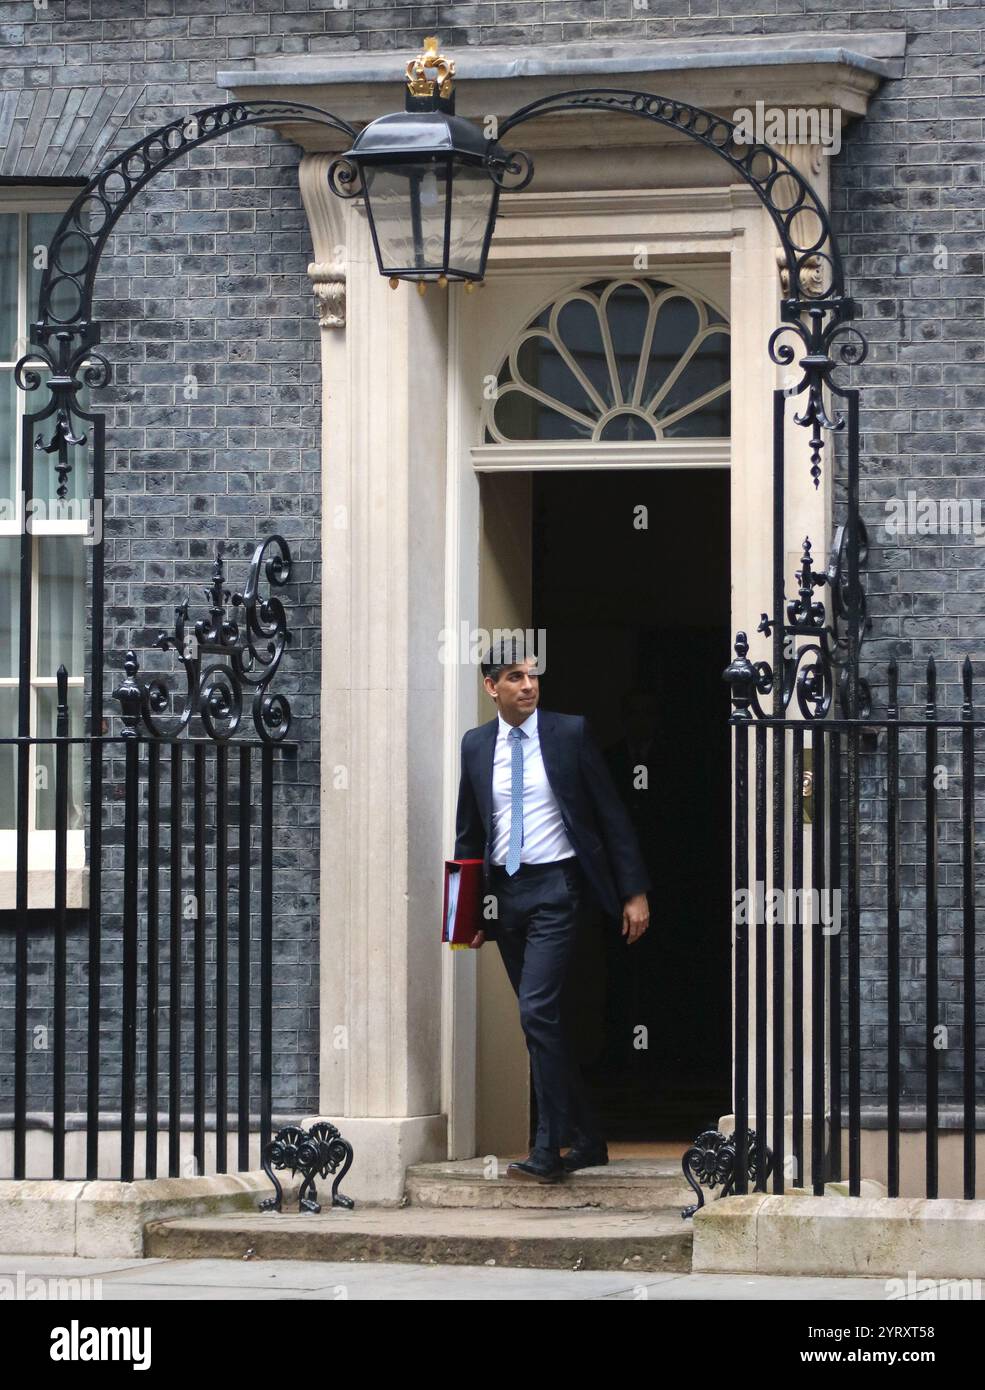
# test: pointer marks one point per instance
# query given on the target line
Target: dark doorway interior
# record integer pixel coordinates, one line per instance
(637, 625)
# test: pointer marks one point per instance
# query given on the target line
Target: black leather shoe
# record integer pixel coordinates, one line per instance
(536, 1169)
(592, 1156)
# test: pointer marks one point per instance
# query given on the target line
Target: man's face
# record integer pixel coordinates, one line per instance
(517, 691)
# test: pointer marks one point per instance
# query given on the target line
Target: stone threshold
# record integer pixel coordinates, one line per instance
(623, 1184)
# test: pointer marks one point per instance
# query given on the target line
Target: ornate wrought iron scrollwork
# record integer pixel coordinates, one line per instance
(63, 336)
(817, 367)
(815, 275)
(61, 354)
(710, 1162)
(247, 654)
(344, 179)
(809, 668)
(815, 309)
(320, 1151)
(835, 639)
(66, 367)
(83, 231)
(511, 172)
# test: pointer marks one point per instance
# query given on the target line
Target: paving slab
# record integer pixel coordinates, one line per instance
(54, 1265)
(314, 1280)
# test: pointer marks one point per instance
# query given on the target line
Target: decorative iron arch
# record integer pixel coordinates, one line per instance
(110, 192)
(760, 165)
(62, 353)
(815, 311)
(228, 661)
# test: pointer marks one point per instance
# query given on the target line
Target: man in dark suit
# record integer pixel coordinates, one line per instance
(537, 803)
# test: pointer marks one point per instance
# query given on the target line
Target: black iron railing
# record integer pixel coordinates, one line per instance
(193, 932)
(858, 860)
(177, 964)
(171, 955)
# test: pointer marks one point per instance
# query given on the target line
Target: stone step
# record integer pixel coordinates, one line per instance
(535, 1239)
(623, 1184)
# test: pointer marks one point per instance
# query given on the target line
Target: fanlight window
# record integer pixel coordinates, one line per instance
(616, 360)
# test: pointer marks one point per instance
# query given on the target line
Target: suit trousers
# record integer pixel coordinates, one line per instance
(538, 911)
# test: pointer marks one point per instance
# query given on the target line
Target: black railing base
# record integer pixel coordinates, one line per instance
(711, 1161)
(318, 1150)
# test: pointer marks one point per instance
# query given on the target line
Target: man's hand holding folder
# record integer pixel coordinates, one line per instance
(461, 915)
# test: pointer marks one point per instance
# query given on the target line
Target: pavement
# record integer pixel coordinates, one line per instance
(38, 1277)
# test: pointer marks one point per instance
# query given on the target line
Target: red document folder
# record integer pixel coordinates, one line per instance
(461, 912)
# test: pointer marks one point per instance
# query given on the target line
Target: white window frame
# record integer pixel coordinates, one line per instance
(26, 201)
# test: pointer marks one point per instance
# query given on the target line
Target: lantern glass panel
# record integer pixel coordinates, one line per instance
(407, 202)
(472, 197)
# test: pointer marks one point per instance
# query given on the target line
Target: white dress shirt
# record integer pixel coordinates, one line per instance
(544, 838)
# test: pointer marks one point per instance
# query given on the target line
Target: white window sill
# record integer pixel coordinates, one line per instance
(41, 888)
(41, 870)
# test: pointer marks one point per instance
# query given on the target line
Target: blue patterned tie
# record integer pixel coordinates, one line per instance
(516, 803)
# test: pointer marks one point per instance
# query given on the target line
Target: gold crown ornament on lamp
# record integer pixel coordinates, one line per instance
(430, 70)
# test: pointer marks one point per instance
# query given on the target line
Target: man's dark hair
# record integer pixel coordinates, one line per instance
(504, 651)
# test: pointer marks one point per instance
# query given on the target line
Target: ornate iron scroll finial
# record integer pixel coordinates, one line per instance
(803, 612)
(808, 667)
(129, 696)
(829, 326)
(748, 680)
(246, 656)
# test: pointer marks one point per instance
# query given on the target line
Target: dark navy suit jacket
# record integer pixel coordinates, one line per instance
(595, 818)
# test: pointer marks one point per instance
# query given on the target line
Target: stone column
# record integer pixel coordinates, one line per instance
(384, 359)
(808, 509)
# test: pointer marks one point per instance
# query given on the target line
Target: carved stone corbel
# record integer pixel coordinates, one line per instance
(329, 286)
(326, 218)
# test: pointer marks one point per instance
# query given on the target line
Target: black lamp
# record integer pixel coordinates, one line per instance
(431, 181)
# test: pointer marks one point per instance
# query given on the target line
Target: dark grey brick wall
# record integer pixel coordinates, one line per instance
(207, 275)
(908, 205)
